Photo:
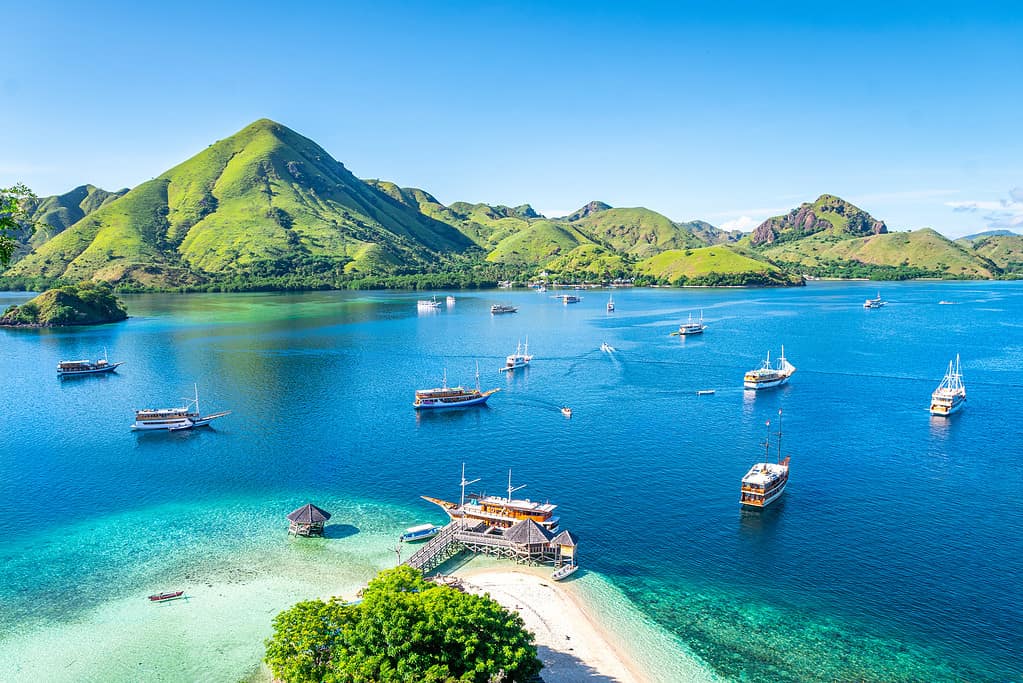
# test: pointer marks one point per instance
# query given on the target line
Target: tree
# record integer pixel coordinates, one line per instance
(405, 630)
(11, 212)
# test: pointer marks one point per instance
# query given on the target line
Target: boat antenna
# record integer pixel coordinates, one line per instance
(779, 435)
(464, 484)
(512, 489)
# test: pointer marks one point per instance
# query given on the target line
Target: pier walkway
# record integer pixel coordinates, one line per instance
(526, 543)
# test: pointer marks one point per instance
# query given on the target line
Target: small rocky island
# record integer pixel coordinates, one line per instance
(83, 304)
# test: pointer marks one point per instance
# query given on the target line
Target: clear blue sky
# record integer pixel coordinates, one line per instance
(723, 111)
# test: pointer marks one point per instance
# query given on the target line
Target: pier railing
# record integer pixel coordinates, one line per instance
(458, 536)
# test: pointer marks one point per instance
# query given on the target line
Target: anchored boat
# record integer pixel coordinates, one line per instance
(610, 303)
(606, 348)
(692, 326)
(497, 511)
(175, 419)
(76, 368)
(767, 376)
(452, 397)
(428, 303)
(497, 309)
(765, 482)
(414, 534)
(519, 359)
(874, 303)
(164, 597)
(564, 571)
(951, 393)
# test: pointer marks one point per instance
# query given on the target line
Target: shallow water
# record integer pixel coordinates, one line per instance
(892, 556)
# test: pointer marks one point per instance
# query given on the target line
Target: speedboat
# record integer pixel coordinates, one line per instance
(564, 571)
(414, 534)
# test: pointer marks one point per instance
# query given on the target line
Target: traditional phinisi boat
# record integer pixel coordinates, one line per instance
(692, 326)
(519, 359)
(452, 397)
(569, 298)
(765, 482)
(951, 393)
(874, 303)
(497, 511)
(175, 419)
(76, 368)
(428, 303)
(497, 309)
(767, 376)
(414, 534)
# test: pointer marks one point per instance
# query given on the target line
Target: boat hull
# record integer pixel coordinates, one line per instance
(437, 404)
(517, 366)
(770, 384)
(775, 495)
(940, 411)
(93, 371)
(419, 538)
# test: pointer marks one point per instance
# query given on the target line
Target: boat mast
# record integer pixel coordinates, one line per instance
(464, 484)
(477, 376)
(445, 378)
(512, 489)
(779, 435)
(767, 443)
(197, 411)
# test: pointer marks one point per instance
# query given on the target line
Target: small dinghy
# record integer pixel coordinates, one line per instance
(705, 392)
(163, 597)
(564, 571)
(566, 411)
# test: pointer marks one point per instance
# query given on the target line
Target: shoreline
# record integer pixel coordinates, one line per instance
(571, 641)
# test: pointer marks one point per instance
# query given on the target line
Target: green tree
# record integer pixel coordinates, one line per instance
(404, 630)
(11, 213)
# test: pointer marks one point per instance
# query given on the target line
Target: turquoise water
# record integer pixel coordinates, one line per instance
(894, 555)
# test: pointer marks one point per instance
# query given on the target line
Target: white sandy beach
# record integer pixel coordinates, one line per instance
(571, 644)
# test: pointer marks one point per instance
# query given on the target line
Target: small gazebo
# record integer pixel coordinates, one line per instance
(307, 521)
(565, 543)
(530, 541)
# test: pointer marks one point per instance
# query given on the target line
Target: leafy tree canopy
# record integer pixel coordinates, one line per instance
(11, 199)
(405, 630)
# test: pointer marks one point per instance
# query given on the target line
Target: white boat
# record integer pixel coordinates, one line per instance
(767, 376)
(606, 348)
(497, 309)
(519, 359)
(428, 303)
(174, 419)
(452, 397)
(414, 534)
(75, 368)
(498, 511)
(692, 326)
(610, 303)
(566, 411)
(950, 395)
(569, 298)
(450, 300)
(505, 284)
(874, 303)
(705, 392)
(564, 571)
(766, 481)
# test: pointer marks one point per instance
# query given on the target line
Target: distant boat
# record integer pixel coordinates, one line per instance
(947, 303)
(875, 302)
(76, 368)
(765, 482)
(428, 303)
(569, 298)
(705, 392)
(501, 308)
(164, 597)
(452, 397)
(505, 284)
(767, 376)
(450, 300)
(606, 348)
(951, 393)
(564, 571)
(519, 359)
(541, 289)
(566, 411)
(414, 534)
(610, 303)
(174, 419)
(692, 326)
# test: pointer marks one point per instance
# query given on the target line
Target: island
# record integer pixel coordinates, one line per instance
(82, 304)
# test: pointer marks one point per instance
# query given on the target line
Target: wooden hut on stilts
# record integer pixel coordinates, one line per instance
(307, 520)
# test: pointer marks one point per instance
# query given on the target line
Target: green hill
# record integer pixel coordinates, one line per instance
(48, 216)
(537, 242)
(589, 261)
(264, 202)
(84, 304)
(714, 265)
(828, 214)
(1004, 249)
(637, 231)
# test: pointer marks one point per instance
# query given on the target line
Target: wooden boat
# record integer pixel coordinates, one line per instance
(519, 359)
(452, 397)
(692, 326)
(950, 395)
(874, 303)
(77, 368)
(765, 481)
(564, 571)
(767, 376)
(174, 419)
(498, 309)
(163, 597)
(497, 511)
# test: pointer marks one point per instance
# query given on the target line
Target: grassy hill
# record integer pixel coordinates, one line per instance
(920, 253)
(537, 242)
(637, 231)
(46, 217)
(714, 265)
(590, 261)
(1004, 249)
(84, 304)
(829, 214)
(264, 202)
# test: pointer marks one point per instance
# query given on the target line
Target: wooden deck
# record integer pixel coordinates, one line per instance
(458, 537)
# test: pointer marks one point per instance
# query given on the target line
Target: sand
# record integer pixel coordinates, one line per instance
(570, 642)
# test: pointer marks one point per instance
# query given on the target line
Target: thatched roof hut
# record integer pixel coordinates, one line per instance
(566, 539)
(307, 520)
(527, 533)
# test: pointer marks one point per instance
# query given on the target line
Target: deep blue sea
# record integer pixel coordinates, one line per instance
(895, 553)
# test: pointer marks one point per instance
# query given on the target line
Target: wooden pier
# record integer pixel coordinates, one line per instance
(526, 542)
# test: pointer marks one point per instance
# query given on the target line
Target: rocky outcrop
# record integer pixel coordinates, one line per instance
(588, 210)
(827, 213)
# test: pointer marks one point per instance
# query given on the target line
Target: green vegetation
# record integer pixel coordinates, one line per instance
(52, 215)
(710, 266)
(638, 232)
(12, 215)
(404, 629)
(83, 304)
(1004, 250)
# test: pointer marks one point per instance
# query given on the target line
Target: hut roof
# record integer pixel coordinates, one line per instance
(565, 538)
(527, 532)
(308, 514)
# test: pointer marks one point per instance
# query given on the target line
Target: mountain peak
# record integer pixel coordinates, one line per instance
(828, 213)
(588, 210)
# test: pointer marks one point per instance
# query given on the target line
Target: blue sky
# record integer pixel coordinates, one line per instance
(728, 112)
